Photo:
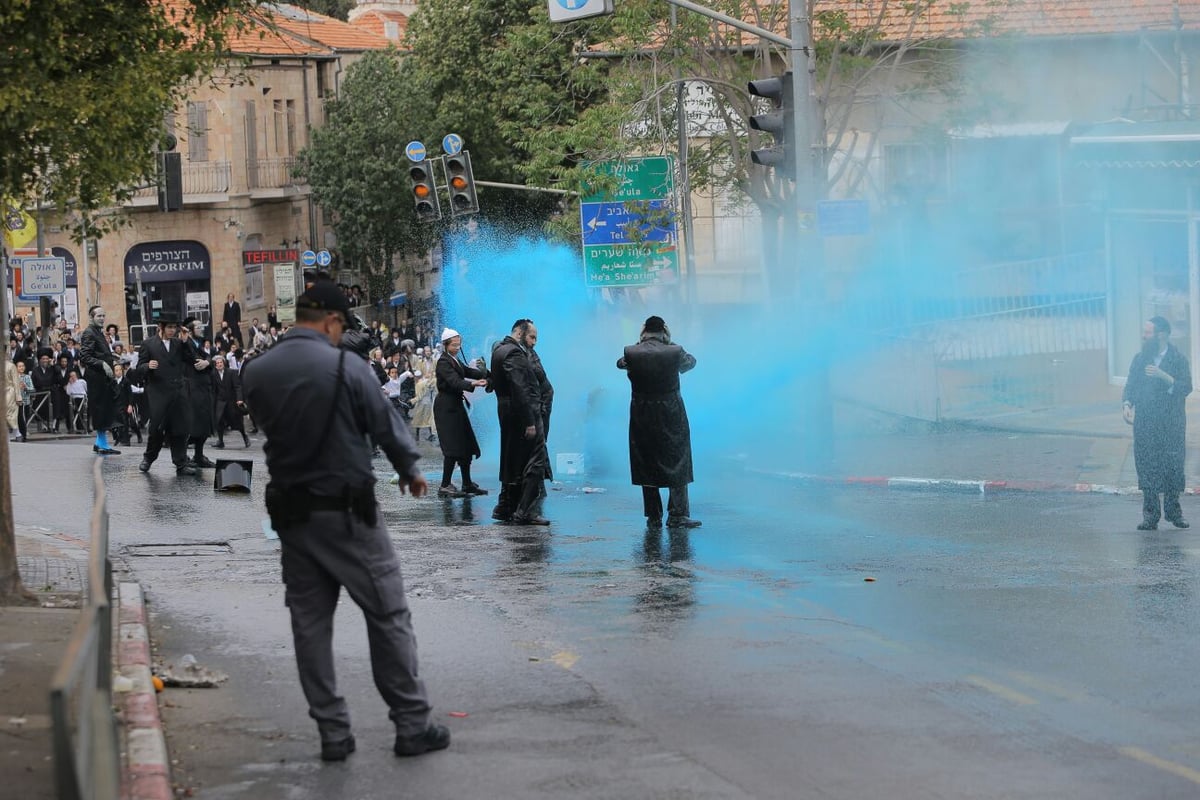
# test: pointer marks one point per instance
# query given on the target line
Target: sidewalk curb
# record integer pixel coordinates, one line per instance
(954, 486)
(147, 772)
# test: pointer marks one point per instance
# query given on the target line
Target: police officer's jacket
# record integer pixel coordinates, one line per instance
(314, 444)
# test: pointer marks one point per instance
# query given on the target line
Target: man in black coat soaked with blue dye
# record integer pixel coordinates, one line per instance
(660, 438)
(1159, 382)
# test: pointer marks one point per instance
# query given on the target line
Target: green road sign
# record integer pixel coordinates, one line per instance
(648, 178)
(629, 265)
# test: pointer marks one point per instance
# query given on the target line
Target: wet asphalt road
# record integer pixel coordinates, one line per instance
(1028, 646)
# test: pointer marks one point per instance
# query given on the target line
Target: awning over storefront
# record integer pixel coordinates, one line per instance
(1139, 145)
(398, 298)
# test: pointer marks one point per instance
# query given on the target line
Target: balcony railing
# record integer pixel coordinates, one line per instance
(206, 177)
(270, 173)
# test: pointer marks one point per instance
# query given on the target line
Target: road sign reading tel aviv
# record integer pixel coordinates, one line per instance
(629, 232)
(567, 10)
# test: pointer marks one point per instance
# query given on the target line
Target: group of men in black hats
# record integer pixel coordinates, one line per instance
(183, 391)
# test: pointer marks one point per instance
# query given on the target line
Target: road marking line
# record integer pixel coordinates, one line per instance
(1049, 687)
(564, 659)
(1138, 754)
(1011, 695)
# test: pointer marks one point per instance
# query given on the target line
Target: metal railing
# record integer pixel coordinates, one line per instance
(202, 177)
(271, 173)
(84, 727)
(983, 341)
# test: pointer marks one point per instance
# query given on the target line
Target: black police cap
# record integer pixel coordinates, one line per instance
(324, 296)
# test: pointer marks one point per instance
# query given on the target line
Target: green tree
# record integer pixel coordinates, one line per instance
(338, 9)
(357, 167)
(499, 72)
(84, 87)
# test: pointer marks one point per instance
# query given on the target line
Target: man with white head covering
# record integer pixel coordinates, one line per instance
(455, 434)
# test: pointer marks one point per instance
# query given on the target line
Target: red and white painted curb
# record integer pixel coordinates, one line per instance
(950, 485)
(147, 772)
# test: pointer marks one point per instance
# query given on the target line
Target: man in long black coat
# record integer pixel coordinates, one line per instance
(1159, 382)
(231, 314)
(524, 460)
(97, 360)
(227, 401)
(660, 438)
(163, 366)
(201, 391)
(456, 437)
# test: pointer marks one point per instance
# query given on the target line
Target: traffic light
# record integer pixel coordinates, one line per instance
(461, 182)
(780, 123)
(170, 182)
(424, 192)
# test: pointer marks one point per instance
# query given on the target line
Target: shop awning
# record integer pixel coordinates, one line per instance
(1139, 145)
(398, 298)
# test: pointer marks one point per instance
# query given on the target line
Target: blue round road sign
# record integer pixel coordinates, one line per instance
(452, 144)
(415, 151)
(323, 258)
(308, 258)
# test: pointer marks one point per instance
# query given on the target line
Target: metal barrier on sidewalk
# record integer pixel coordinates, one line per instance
(86, 754)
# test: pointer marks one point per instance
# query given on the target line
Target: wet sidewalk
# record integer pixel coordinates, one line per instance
(33, 641)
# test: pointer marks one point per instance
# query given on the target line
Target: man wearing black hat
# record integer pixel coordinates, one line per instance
(201, 391)
(97, 359)
(1159, 382)
(660, 438)
(163, 365)
(44, 382)
(321, 410)
(523, 413)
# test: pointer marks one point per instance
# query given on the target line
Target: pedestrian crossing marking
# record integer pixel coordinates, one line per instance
(1138, 754)
(1000, 690)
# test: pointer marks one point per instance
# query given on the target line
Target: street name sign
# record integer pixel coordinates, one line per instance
(629, 232)
(40, 276)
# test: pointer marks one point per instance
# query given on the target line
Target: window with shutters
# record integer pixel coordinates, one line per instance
(197, 131)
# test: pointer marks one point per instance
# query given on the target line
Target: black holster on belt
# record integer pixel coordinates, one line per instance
(292, 506)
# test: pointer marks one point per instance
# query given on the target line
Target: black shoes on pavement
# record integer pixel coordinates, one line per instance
(525, 520)
(683, 522)
(1178, 522)
(105, 451)
(203, 461)
(475, 489)
(220, 445)
(337, 751)
(187, 469)
(450, 490)
(435, 737)
(144, 466)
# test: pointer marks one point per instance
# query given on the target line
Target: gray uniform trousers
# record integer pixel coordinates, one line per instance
(334, 549)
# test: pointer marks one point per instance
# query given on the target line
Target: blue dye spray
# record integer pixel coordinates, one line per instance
(740, 397)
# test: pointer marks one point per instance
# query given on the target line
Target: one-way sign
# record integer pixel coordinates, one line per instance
(567, 10)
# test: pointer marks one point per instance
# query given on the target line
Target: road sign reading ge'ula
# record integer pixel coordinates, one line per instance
(567, 10)
(40, 276)
(629, 232)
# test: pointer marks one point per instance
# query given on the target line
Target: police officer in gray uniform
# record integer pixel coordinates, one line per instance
(321, 408)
